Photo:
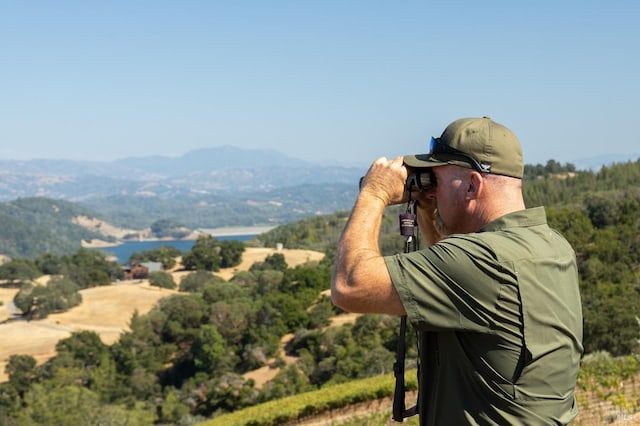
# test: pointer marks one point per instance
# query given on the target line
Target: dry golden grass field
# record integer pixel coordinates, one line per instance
(106, 310)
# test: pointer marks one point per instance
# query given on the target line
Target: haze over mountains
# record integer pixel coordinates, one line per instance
(218, 170)
(40, 200)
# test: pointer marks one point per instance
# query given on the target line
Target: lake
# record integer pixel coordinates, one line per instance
(124, 251)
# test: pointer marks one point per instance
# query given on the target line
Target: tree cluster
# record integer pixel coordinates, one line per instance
(84, 269)
(211, 254)
(36, 301)
(165, 228)
(598, 214)
(185, 360)
(605, 234)
(89, 268)
(166, 255)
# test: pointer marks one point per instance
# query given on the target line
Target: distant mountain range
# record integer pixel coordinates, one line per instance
(219, 170)
(202, 189)
(208, 171)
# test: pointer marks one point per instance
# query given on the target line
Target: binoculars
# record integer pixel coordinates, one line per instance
(418, 180)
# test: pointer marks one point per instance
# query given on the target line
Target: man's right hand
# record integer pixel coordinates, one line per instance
(386, 181)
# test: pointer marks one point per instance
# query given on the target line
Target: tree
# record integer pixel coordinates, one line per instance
(274, 262)
(39, 301)
(77, 405)
(231, 253)
(66, 405)
(11, 407)
(292, 311)
(321, 313)
(162, 279)
(144, 384)
(210, 254)
(19, 270)
(245, 279)
(89, 268)
(289, 381)
(196, 281)
(164, 228)
(227, 393)
(209, 350)
(21, 372)
(223, 291)
(574, 224)
(184, 316)
(51, 264)
(232, 319)
(144, 346)
(610, 320)
(269, 282)
(377, 361)
(173, 410)
(23, 299)
(103, 379)
(165, 254)
(203, 255)
(63, 294)
(85, 347)
(305, 283)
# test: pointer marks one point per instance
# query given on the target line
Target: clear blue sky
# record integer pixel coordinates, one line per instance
(323, 80)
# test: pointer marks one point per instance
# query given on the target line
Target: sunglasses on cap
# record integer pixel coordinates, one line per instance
(436, 147)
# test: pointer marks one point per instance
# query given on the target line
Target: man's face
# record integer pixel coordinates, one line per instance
(449, 195)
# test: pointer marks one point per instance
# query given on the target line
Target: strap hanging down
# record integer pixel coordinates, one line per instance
(399, 410)
(407, 229)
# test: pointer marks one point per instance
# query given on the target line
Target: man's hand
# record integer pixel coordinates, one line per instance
(360, 281)
(386, 180)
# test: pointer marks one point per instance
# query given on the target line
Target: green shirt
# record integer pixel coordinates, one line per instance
(499, 320)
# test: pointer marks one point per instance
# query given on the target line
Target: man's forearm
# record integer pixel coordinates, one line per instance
(359, 240)
(361, 281)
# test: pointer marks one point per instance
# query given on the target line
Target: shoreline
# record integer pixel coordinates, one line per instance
(225, 231)
(230, 231)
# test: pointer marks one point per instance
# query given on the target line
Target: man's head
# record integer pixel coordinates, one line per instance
(477, 167)
(477, 143)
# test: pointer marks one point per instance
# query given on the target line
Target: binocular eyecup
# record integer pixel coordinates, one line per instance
(419, 180)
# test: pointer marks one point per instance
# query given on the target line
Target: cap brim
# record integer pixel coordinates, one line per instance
(422, 161)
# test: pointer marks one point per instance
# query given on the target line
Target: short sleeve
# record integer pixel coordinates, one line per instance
(457, 284)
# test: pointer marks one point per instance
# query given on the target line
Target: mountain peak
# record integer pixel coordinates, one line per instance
(209, 159)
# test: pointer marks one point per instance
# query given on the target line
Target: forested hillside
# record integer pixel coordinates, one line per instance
(36, 225)
(186, 360)
(242, 208)
(596, 211)
(33, 226)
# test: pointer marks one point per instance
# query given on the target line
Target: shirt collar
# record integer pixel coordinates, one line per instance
(522, 218)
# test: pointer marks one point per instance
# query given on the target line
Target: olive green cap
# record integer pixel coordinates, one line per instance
(494, 148)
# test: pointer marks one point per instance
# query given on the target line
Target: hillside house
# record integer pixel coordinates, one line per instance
(141, 271)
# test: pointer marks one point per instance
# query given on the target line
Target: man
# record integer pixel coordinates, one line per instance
(494, 297)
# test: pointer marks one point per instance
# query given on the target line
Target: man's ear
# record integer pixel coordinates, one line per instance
(476, 185)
